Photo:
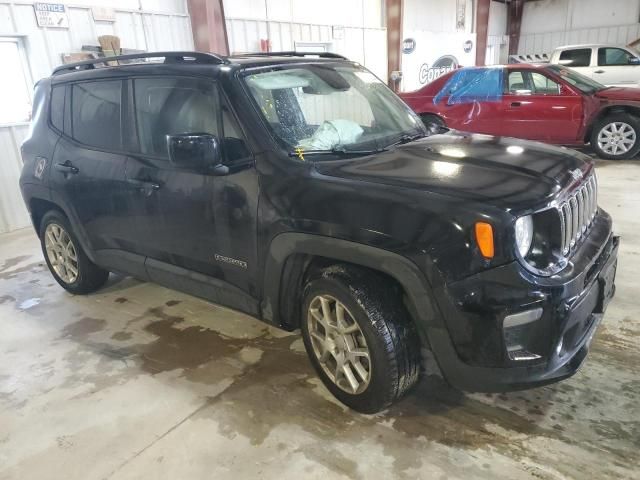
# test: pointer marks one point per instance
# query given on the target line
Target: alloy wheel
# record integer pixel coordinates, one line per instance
(616, 138)
(339, 344)
(61, 253)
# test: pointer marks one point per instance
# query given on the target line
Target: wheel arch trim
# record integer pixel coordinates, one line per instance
(79, 231)
(633, 110)
(285, 245)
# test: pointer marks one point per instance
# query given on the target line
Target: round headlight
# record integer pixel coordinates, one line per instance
(524, 234)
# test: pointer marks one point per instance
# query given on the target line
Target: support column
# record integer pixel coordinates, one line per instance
(208, 26)
(514, 21)
(482, 29)
(394, 9)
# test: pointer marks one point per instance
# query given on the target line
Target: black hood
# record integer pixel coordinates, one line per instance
(505, 172)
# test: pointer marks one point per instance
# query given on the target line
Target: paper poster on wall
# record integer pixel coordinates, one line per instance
(51, 15)
(103, 14)
(433, 55)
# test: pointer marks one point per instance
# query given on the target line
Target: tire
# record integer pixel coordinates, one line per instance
(615, 125)
(433, 123)
(88, 277)
(384, 329)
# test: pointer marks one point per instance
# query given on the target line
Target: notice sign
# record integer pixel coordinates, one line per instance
(51, 15)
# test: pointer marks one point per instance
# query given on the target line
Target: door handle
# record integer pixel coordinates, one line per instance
(516, 104)
(66, 167)
(599, 71)
(143, 184)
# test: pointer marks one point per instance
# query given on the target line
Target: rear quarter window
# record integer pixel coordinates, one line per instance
(578, 57)
(57, 106)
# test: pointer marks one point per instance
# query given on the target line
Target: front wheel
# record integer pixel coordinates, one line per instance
(616, 137)
(359, 337)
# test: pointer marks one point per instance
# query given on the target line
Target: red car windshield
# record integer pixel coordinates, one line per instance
(581, 82)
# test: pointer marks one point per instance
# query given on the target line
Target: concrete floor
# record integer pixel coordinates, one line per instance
(138, 381)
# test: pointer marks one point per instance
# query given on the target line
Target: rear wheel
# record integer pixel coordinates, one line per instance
(65, 258)
(616, 137)
(359, 337)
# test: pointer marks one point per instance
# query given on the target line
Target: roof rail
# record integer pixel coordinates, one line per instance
(169, 57)
(291, 54)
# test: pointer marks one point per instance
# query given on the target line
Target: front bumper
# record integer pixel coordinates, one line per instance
(472, 351)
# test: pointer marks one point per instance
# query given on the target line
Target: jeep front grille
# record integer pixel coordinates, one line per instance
(577, 214)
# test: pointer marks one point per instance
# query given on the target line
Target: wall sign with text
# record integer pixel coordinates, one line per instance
(429, 55)
(51, 15)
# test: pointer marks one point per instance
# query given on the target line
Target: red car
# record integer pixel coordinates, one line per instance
(549, 103)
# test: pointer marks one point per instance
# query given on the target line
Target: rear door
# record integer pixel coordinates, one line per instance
(87, 175)
(616, 67)
(185, 217)
(536, 107)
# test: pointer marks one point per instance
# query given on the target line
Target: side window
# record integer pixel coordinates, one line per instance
(517, 84)
(96, 119)
(543, 85)
(613, 56)
(579, 57)
(234, 144)
(57, 107)
(168, 106)
(15, 81)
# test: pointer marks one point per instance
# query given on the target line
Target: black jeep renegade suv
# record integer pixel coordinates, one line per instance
(302, 191)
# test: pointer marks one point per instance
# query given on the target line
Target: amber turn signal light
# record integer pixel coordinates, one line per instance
(484, 238)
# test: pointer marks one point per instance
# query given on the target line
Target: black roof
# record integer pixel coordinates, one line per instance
(197, 58)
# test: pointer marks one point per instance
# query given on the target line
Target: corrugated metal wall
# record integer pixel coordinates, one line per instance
(350, 105)
(139, 29)
(367, 46)
(497, 49)
(548, 41)
(13, 213)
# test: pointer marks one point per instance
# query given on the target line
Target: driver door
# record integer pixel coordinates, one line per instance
(188, 217)
(536, 107)
(616, 67)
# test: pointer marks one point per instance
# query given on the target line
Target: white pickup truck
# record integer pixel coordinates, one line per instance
(611, 65)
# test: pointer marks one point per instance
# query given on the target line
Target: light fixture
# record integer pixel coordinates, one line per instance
(484, 239)
(524, 234)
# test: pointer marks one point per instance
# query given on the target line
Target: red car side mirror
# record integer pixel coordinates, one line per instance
(565, 90)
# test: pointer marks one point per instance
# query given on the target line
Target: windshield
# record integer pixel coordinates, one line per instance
(582, 83)
(327, 108)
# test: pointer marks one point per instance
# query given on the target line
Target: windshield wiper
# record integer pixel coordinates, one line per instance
(406, 138)
(334, 151)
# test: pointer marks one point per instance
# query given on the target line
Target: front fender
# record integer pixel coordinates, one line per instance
(404, 271)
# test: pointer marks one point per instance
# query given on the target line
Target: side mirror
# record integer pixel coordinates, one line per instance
(196, 150)
(564, 90)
